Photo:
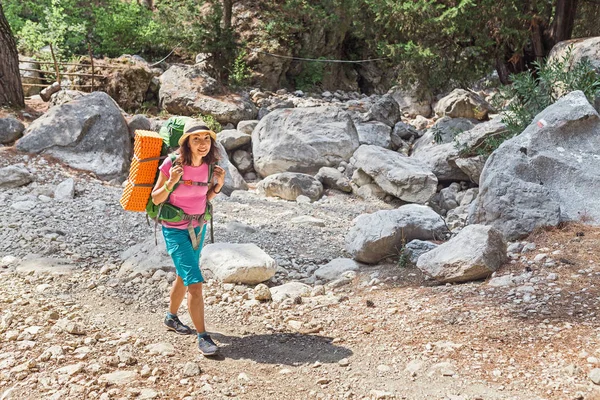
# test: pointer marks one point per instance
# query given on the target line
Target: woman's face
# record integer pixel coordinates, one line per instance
(200, 143)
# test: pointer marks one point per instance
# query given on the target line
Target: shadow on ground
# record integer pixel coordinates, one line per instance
(281, 348)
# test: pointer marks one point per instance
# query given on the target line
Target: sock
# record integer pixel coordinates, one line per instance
(169, 315)
(202, 335)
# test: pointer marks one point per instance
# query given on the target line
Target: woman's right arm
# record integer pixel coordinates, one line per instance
(159, 194)
(164, 185)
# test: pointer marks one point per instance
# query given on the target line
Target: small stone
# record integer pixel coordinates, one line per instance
(243, 377)
(145, 372)
(191, 369)
(118, 377)
(70, 369)
(344, 362)
(262, 292)
(595, 376)
(72, 327)
(165, 349)
(296, 325)
(381, 394)
(383, 368)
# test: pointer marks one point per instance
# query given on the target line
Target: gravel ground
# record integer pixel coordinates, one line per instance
(72, 328)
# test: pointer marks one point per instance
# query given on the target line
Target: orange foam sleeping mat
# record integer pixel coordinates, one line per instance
(146, 155)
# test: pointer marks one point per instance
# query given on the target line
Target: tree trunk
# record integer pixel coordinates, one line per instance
(563, 22)
(227, 13)
(544, 35)
(11, 90)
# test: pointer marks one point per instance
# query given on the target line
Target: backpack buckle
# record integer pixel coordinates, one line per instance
(187, 183)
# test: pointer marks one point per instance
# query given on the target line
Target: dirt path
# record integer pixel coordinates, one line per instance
(388, 350)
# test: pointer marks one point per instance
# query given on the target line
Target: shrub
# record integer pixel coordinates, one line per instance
(211, 122)
(311, 76)
(240, 72)
(533, 91)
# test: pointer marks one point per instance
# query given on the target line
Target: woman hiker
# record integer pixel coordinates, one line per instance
(190, 169)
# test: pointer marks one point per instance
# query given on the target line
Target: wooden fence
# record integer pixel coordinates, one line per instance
(51, 71)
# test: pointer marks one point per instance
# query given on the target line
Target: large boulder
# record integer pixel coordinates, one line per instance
(145, 258)
(375, 133)
(461, 103)
(233, 179)
(238, 263)
(475, 253)
(290, 185)
(397, 174)
(335, 268)
(384, 109)
(233, 139)
(456, 158)
(128, 85)
(413, 100)
(303, 140)
(334, 179)
(582, 49)
(14, 176)
(441, 160)
(445, 130)
(89, 133)
(187, 90)
(578, 50)
(10, 130)
(545, 175)
(382, 234)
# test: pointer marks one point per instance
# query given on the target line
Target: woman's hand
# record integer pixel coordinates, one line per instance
(175, 173)
(219, 173)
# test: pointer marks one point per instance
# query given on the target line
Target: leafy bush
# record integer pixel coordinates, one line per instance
(240, 74)
(211, 122)
(531, 92)
(52, 25)
(123, 27)
(312, 74)
(113, 27)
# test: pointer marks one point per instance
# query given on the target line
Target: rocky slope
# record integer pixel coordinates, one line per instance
(73, 326)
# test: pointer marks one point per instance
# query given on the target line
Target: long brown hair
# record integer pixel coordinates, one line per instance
(185, 153)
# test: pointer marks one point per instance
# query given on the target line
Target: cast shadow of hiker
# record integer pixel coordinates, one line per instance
(281, 348)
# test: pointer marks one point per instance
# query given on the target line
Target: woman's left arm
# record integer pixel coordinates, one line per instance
(215, 188)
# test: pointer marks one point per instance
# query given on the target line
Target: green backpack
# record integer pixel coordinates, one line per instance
(171, 131)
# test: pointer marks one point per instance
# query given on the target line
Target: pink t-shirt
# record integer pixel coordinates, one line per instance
(191, 199)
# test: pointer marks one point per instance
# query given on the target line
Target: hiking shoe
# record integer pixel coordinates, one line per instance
(174, 324)
(206, 346)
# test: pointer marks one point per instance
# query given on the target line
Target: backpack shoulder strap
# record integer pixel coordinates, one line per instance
(211, 169)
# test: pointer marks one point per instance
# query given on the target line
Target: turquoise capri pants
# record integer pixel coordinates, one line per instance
(185, 258)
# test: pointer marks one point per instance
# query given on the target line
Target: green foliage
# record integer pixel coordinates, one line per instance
(454, 42)
(51, 24)
(437, 134)
(403, 259)
(531, 92)
(211, 122)
(113, 27)
(123, 27)
(195, 25)
(240, 74)
(311, 76)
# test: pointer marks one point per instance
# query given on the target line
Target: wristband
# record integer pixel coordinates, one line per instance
(167, 189)
(215, 192)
